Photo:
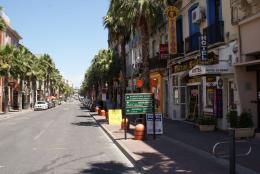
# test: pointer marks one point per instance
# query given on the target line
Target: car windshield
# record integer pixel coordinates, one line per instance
(41, 102)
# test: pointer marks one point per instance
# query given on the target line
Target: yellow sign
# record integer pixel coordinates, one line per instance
(115, 116)
(172, 12)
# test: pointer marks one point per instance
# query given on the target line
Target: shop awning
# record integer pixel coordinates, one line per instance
(222, 68)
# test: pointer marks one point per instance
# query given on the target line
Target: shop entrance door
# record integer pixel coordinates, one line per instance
(179, 102)
(193, 102)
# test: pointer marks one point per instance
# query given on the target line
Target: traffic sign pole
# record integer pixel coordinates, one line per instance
(124, 114)
(154, 135)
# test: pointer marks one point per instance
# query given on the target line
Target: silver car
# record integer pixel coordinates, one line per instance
(41, 105)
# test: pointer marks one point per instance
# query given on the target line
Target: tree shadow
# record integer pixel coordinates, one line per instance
(84, 116)
(88, 123)
(110, 167)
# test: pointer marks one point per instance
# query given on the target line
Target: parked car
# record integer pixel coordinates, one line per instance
(41, 105)
(50, 104)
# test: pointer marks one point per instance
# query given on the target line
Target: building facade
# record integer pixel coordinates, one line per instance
(201, 74)
(246, 17)
(11, 37)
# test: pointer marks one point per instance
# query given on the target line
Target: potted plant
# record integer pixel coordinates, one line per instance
(242, 124)
(206, 123)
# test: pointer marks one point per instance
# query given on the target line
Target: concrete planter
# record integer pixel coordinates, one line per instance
(244, 132)
(206, 128)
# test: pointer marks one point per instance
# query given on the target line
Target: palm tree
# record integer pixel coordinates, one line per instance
(144, 14)
(2, 22)
(6, 57)
(117, 21)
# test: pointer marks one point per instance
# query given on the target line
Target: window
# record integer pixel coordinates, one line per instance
(162, 39)
(210, 92)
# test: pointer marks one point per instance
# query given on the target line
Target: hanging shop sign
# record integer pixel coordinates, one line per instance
(209, 69)
(218, 103)
(164, 51)
(158, 123)
(203, 48)
(187, 65)
(172, 12)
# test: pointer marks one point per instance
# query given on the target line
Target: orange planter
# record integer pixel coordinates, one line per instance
(123, 124)
(139, 132)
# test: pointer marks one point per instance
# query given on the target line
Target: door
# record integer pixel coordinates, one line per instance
(193, 102)
(166, 94)
(179, 102)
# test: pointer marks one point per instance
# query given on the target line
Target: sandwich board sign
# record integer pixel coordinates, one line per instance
(158, 123)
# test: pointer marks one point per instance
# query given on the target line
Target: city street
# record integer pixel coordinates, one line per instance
(62, 140)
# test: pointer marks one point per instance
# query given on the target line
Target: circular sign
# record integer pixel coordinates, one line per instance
(220, 83)
(139, 83)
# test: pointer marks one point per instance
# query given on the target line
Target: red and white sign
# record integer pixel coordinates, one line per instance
(164, 51)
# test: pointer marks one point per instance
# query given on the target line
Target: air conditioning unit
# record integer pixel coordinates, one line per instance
(197, 15)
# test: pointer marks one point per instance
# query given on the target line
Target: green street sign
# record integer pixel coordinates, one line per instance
(138, 103)
(147, 103)
(133, 111)
(138, 96)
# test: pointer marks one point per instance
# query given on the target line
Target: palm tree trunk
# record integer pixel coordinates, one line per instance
(123, 90)
(6, 94)
(145, 53)
(20, 95)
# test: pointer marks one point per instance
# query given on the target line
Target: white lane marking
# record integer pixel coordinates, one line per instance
(43, 131)
(1, 166)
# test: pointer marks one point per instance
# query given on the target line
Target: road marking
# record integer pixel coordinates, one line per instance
(43, 131)
(1, 166)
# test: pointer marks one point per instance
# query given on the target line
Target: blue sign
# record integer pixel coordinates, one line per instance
(203, 48)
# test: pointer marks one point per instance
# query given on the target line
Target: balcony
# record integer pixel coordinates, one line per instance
(155, 62)
(215, 33)
(192, 42)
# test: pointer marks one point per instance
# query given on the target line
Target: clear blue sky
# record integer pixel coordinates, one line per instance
(70, 31)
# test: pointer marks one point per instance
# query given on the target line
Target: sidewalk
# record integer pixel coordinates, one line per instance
(13, 113)
(182, 149)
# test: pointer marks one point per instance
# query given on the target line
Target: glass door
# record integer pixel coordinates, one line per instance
(193, 102)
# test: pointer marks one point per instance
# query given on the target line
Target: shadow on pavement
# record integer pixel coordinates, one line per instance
(110, 167)
(88, 123)
(84, 116)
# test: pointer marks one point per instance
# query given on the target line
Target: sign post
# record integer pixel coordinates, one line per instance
(139, 103)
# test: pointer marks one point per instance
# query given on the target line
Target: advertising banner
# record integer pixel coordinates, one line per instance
(171, 12)
(115, 116)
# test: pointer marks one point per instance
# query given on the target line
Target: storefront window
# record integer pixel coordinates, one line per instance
(210, 91)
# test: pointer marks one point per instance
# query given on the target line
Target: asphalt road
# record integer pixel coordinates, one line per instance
(62, 140)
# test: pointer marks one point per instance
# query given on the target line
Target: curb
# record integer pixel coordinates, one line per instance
(137, 165)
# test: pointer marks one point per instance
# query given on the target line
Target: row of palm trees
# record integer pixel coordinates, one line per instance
(18, 64)
(104, 68)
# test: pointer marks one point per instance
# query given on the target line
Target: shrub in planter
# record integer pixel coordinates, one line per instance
(232, 118)
(245, 120)
(243, 124)
(206, 121)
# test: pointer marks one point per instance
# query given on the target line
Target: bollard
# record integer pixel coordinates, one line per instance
(139, 132)
(96, 109)
(123, 123)
(103, 112)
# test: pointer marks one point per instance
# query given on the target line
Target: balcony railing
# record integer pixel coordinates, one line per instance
(215, 33)
(192, 42)
(155, 62)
